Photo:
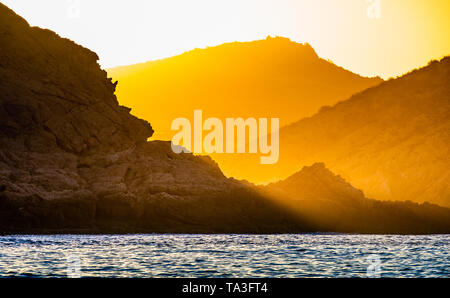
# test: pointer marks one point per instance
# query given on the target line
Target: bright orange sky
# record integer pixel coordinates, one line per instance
(407, 35)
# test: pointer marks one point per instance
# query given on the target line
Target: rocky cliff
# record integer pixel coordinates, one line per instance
(73, 160)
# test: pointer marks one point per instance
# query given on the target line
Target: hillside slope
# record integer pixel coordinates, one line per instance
(331, 204)
(392, 141)
(72, 159)
(274, 77)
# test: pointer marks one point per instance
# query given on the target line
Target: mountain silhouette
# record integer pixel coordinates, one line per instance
(392, 141)
(330, 203)
(72, 160)
(275, 77)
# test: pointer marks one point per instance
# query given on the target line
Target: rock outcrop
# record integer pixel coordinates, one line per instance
(329, 203)
(73, 160)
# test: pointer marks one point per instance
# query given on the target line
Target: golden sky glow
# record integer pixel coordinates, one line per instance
(407, 35)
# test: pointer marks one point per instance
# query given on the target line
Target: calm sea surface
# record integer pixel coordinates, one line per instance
(295, 255)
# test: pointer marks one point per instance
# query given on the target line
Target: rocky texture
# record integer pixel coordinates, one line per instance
(73, 160)
(145, 188)
(55, 94)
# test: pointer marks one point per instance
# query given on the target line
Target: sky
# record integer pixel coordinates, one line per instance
(384, 38)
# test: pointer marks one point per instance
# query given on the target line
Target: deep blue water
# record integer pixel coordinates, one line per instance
(294, 255)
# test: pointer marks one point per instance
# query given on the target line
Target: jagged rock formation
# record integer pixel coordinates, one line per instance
(73, 160)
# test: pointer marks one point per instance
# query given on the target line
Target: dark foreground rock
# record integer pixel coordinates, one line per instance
(72, 160)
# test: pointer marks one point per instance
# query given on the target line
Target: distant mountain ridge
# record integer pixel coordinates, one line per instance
(275, 77)
(332, 204)
(392, 140)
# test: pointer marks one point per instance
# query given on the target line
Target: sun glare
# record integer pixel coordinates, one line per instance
(386, 41)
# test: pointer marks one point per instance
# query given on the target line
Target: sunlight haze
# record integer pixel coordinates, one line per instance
(407, 34)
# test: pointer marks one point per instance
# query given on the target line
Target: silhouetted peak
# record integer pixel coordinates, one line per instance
(317, 181)
(277, 48)
(286, 44)
(318, 166)
(399, 125)
(317, 169)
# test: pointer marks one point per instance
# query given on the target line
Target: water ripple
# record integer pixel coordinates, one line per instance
(152, 255)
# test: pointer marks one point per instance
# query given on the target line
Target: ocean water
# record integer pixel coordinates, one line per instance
(170, 255)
